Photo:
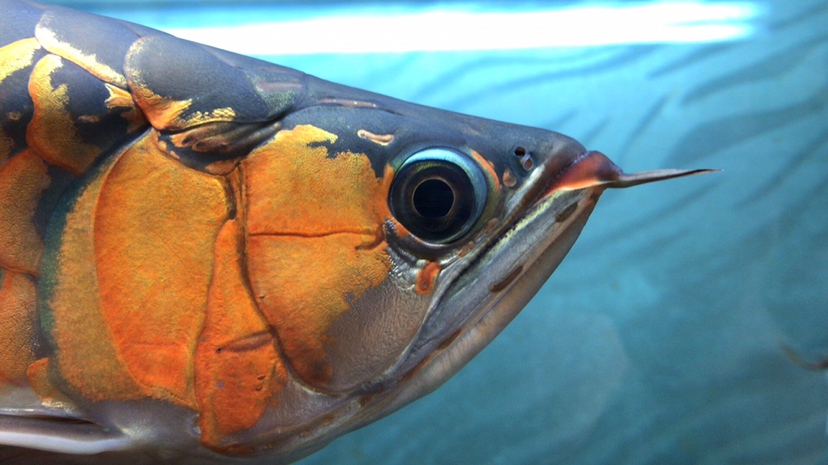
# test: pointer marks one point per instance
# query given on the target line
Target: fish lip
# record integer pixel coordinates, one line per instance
(589, 169)
(594, 169)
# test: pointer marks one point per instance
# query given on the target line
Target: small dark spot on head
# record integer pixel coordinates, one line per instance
(413, 371)
(236, 449)
(491, 225)
(447, 341)
(506, 281)
(261, 377)
(220, 384)
(520, 152)
(463, 251)
(426, 277)
(508, 178)
(218, 351)
(566, 213)
(89, 119)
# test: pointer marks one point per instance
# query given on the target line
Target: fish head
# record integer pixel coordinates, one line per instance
(413, 237)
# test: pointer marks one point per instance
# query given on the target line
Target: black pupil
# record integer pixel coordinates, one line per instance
(433, 199)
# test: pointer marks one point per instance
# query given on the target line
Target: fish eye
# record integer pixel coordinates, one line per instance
(438, 195)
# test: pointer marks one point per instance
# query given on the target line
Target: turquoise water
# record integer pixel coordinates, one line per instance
(659, 339)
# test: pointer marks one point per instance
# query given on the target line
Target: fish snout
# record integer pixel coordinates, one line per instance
(588, 169)
(594, 169)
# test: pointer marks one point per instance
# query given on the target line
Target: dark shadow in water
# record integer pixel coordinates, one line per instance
(598, 244)
(692, 58)
(588, 138)
(816, 10)
(770, 68)
(626, 57)
(557, 123)
(813, 149)
(715, 136)
(649, 118)
(449, 78)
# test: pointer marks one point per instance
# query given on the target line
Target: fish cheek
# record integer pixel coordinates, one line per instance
(316, 240)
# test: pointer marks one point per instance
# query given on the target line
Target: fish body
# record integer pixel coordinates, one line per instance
(205, 256)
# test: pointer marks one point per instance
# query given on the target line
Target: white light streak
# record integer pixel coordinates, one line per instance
(459, 30)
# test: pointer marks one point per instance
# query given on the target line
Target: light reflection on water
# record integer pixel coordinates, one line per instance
(452, 28)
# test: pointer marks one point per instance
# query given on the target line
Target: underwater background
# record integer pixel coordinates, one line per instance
(661, 338)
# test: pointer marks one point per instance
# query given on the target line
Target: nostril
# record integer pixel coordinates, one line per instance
(525, 158)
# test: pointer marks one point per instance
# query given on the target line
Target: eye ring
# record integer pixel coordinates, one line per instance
(438, 195)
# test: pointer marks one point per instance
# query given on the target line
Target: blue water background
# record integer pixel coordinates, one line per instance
(658, 340)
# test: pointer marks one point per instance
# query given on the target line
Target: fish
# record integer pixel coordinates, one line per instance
(206, 257)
